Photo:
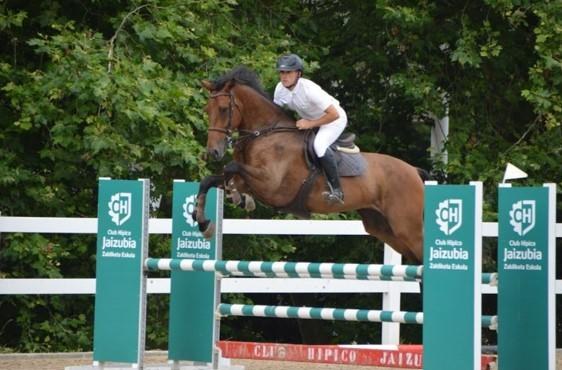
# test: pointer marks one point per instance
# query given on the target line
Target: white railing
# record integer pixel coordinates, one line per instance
(391, 290)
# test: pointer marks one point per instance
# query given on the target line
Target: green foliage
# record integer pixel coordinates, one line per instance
(10, 18)
(545, 75)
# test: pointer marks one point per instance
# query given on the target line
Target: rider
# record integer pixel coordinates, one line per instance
(316, 108)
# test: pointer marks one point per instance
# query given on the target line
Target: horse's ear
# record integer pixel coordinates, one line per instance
(208, 85)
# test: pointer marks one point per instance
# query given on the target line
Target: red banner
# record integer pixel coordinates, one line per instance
(404, 357)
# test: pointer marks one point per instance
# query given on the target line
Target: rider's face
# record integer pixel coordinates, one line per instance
(288, 78)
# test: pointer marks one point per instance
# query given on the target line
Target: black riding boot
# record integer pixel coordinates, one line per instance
(328, 162)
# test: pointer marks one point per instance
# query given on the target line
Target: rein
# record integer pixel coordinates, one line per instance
(249, 135)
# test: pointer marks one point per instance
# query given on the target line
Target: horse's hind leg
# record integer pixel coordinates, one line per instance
(410, 232)
(407, 227)
(378, 226)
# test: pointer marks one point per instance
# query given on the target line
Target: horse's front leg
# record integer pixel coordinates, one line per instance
(242, 200)
(205, 225)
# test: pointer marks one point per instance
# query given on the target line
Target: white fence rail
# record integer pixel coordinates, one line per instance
(391, 290)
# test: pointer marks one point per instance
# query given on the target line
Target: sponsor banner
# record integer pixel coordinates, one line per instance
(403, 356)
(329, 354)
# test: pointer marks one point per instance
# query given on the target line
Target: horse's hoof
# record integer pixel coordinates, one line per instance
(209, 231)
(235, 198)
(249, 203)
(203, 225)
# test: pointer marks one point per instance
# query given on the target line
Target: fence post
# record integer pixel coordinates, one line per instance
(391, 301)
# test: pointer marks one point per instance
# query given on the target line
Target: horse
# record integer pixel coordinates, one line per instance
(269, 164)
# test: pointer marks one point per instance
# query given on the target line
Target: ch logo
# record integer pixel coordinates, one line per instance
(522, 216)
(188, 208)
(120, 208)
(449, 215)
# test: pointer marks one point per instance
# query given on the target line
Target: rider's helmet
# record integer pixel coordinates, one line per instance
(290, 62)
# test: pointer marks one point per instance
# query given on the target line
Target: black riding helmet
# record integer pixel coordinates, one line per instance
(290, 62)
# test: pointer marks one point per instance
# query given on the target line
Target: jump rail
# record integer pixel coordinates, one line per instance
(290, 269)
(340, 314)
(349, 271)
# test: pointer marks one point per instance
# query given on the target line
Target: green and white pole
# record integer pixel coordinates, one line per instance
(452, 276)
(194, 296)
(122, 247)
(526, 267)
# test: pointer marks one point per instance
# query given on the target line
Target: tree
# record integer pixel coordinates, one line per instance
(92, 90)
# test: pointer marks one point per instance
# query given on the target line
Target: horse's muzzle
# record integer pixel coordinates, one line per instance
(215, 153)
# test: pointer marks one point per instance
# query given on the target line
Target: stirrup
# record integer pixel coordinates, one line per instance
(334, 196)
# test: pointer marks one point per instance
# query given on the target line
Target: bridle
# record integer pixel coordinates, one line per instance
(231, 104)
(245, 134)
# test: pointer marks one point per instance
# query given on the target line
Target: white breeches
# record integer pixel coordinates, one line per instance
(328, 133)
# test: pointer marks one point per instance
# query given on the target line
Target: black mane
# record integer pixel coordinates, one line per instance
(243, 75)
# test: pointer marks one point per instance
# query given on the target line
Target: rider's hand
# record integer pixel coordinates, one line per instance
(304, 124)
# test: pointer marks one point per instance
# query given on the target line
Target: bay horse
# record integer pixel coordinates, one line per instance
(269, 164)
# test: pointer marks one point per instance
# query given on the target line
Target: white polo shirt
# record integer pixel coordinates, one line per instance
(307, 99)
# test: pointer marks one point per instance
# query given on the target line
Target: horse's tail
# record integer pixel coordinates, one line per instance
(425, 176)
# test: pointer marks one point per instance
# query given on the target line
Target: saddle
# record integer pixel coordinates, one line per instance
(348, 157)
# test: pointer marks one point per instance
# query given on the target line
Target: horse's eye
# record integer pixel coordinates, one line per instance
(223, 110)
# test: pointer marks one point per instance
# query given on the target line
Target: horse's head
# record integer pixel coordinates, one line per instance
(224, 116)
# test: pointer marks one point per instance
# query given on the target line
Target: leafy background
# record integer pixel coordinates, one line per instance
(92, 88)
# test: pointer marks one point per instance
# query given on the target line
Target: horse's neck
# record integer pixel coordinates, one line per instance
(259, 112)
